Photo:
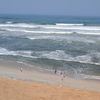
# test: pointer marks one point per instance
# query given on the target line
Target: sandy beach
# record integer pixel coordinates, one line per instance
(21, 90)
(19, 81)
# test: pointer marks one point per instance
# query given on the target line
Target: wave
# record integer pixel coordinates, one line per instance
(64, 24)
(4, 51)
(51, 32)
(22, 25)
(56, 26)
(91, 77)
(48, 29)
(29, 31)
(61, 55)
(76, 67)
(60, 38)
(9, 22)
(56, 55)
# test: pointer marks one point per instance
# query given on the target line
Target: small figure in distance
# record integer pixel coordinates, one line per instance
(63, 75)
(21, 69)
(55, 71)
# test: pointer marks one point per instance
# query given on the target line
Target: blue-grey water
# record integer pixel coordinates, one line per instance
(69, 44)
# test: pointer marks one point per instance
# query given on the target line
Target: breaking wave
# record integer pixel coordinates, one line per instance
(56, 55)
(60, 42)
(4, 51)
(59, 28)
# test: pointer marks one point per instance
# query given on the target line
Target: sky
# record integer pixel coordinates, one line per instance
(51, 7)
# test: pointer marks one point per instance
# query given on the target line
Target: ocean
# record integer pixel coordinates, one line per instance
(68, 44)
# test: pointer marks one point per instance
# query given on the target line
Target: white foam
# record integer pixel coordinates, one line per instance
(63, 24)
(32, 31)
(22, 25)
(90, 77)
(4, 51)
(23, 53)
(61, 55)
(57, 55)
(9, 22)
(62, 38)
(40, 37)
(49, 29)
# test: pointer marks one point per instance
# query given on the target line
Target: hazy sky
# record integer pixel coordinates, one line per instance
(51, 7)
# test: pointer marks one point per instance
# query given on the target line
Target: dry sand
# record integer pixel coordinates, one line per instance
(21, 90)
(39, 85)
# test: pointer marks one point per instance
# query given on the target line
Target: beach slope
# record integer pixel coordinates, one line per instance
(23, 90)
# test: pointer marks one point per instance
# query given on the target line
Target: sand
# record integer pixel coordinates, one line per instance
(31, 83)
(21, 90)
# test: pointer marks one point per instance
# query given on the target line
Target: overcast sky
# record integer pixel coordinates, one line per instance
(51, 7)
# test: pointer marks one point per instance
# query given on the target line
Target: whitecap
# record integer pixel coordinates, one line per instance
(49, 29)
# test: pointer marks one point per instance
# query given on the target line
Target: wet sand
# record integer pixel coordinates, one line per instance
(22, 82)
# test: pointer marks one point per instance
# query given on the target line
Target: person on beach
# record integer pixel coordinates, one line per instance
(61, 74)
(62, 77)
(21, 69)
(55, 71)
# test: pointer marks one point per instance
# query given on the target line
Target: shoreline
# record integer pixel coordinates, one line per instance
(11, 70)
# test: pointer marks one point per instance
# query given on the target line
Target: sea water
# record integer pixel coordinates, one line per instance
(68, 44)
